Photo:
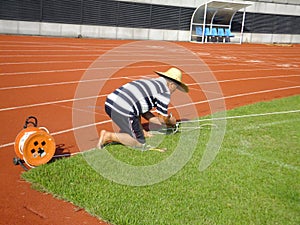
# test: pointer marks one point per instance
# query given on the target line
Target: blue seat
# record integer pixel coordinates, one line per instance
(207, 32)
(228, 33)
(199, 30)
(221, 32)
(214, 32)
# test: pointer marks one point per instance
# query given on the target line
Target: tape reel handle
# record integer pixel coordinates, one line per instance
(31, 120)
(45, 129)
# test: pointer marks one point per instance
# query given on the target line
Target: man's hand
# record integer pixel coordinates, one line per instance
(172, 121)
(169, 121)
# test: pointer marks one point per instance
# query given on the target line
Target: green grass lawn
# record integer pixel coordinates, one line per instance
(254, 179)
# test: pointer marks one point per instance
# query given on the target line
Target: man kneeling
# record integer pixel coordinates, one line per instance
(127, 104)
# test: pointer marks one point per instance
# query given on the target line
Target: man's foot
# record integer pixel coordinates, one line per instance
(102, 139)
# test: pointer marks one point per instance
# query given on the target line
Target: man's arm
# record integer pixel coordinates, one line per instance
(152, 118)
(159, 120)
(148, 115)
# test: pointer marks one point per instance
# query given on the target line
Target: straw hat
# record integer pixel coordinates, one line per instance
(175, 75)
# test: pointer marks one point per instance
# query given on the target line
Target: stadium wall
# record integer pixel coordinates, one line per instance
(267, 21)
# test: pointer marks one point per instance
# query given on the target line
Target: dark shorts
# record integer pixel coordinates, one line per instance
(130, 125)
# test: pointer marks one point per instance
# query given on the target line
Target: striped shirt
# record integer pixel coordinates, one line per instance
(140, 96)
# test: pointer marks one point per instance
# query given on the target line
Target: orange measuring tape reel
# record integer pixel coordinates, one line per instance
(34, 145)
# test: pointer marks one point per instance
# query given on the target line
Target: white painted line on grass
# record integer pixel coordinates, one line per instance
(273, 162)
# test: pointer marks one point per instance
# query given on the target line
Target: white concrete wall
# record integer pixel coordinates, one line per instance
(270, 38)
(71, 30)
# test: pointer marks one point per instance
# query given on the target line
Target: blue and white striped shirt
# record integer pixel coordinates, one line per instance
(140, 96)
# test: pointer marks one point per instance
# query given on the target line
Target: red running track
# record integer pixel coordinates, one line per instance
(40, 75)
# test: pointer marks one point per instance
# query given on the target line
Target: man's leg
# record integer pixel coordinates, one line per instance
(122, 138)
(131, 131)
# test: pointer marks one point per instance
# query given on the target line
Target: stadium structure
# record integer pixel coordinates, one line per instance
(201, 21)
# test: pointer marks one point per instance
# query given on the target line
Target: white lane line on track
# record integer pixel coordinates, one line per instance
(7, 145)
(247, 78)
(72, 61)
(86, 69)
(47, 62)
(82, 109)
(61, 83)
(80, 127)
(72, 70)
(54, 50)
(55, 44)
(57, 47)
(240, 95)
(47, 56)
(264, 51)
(84, 50)
(149, 75)
(184, 105)
(50, 103)
(86, 42)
